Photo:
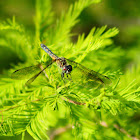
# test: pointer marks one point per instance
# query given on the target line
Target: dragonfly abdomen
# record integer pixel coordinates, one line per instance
(49, 52)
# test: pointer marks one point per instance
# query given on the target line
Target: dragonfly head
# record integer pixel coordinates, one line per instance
(67, 69)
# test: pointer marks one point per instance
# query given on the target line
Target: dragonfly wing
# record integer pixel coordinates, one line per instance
(26, 72)
(35, 76)
(88, 74)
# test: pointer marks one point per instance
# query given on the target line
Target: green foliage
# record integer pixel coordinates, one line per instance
(48, 105)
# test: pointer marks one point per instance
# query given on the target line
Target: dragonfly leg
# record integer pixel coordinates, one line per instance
(62, 75)
(63, 78)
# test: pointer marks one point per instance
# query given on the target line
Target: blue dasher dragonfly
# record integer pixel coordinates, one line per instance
(70, 70)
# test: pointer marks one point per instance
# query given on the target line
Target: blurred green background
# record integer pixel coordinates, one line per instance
(125, 15)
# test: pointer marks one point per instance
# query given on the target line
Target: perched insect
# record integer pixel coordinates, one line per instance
(69, 69)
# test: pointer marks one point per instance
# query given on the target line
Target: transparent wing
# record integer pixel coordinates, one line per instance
(25, 73)
(30, 73)
(35, 76)
(81, 72)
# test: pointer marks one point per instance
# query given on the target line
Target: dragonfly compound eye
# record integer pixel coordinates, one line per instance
(69, 68)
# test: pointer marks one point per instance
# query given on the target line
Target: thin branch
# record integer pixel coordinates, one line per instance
(73, 102)
(122, 130)
(104, 124)
(41, 67)
(59, 131)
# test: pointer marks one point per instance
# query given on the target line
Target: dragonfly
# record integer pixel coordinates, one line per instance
(69, 70)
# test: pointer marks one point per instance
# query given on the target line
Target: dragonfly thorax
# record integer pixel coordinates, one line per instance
(61, 62)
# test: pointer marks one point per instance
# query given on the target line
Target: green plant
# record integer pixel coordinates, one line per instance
(47, 107)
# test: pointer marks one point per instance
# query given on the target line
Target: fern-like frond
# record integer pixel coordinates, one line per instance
(11, 25)
(67, 20)
(92, 111)
(44, 17)
(16, 39)
(95, 40)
